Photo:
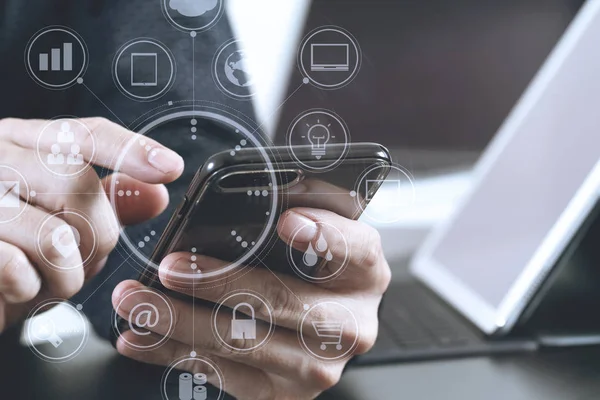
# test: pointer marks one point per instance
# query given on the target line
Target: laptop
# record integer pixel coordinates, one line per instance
(534, 198)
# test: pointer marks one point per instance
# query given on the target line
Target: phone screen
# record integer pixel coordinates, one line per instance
(233, 213)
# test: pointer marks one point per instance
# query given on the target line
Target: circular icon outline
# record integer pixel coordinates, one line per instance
(350, 37)
(164, 338)
(305, 346)
(205, 27)
(257, 296)
(359, 185)
(195, 358)
(27, 199)
(310, 278)
(39, 34)
(340, 122)
(228, 119)
(73, 354)
(69, 119)
(55, 214)
(164, 49)
(215, 72)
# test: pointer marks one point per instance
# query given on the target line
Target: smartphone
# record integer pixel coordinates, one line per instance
(233, 205)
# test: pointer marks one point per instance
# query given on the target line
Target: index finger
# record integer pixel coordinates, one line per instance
(100, 142)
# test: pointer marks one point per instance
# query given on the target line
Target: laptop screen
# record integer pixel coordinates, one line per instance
(534, 187)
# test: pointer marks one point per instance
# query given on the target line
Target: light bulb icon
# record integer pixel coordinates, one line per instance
(318, 136)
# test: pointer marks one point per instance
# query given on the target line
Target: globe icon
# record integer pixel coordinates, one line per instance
(236, 69)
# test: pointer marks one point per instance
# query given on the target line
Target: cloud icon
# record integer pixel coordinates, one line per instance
(193, 8)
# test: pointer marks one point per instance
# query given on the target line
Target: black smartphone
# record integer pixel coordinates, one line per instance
(233, 205)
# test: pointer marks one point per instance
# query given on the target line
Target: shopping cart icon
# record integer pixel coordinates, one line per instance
(329, 329)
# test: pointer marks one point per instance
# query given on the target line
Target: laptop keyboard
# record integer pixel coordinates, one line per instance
(416, 325)
(417, 322)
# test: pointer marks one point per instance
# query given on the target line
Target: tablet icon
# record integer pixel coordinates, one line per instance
(144, 69)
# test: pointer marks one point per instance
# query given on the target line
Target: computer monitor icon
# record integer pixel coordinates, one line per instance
(144, 69)
(329, 57)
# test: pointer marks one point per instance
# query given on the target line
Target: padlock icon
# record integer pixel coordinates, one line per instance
(243, 328)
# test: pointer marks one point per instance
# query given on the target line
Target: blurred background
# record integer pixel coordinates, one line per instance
(437, 80)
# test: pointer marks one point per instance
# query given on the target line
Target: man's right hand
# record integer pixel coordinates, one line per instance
(26, 243)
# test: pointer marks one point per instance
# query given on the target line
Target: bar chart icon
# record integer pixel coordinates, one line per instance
(58, 59)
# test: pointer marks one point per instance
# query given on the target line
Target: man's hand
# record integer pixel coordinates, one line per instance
(281, 369)
(26, 243)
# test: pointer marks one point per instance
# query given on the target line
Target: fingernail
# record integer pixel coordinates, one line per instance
(164, 160)
(303, 229)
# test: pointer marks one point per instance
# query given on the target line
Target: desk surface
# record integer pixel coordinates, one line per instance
(100, 373)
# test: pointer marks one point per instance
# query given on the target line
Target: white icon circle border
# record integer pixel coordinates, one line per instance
(355, 44)
(164, 339)
(263, 342)
(82, 170)
(166, 87)
(313, 279)
(359, 185)
(305, 346)
(215, 72)
(340, 122)
(71, 355)
(205, 27)
(203, 360)
(79, 40)
(27, 191)
(55, 214)
(248, 134)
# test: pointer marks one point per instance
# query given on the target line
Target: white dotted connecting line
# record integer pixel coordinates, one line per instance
(194, 129)
(147, 239)
(241, 240)
(243, 143)
(193, 264)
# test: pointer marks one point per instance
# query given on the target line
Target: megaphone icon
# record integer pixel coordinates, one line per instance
(66, 240)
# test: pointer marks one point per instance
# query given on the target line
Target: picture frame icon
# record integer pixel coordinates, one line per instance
(9, 194)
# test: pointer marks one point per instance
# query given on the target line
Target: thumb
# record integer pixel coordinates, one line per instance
(135, 201)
